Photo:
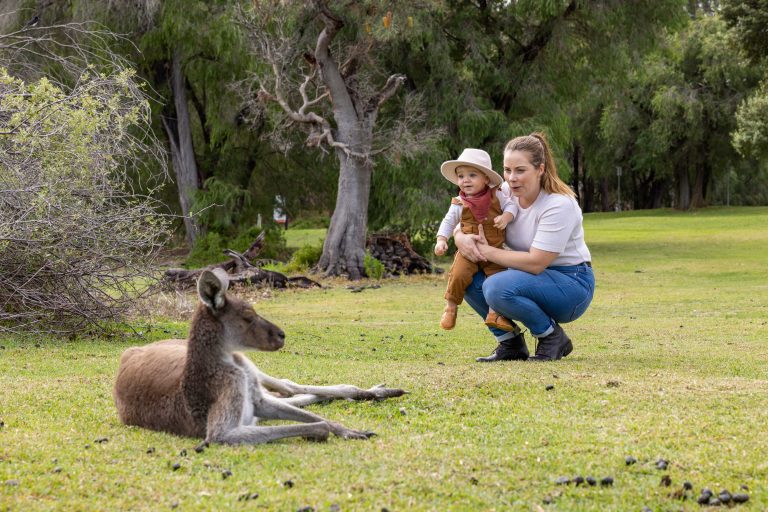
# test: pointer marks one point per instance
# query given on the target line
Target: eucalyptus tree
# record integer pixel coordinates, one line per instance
(322, 73)
(674, 125)
(748, 20)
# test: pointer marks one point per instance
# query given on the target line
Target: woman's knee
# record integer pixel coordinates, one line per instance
(500, 287)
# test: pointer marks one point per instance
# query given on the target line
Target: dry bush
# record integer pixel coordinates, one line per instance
(78, 241)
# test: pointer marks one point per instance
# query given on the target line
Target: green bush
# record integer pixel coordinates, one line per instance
(373, 267)
(302, 260)
(210, 248)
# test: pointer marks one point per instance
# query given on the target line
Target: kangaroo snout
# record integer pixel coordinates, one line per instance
(277, 337)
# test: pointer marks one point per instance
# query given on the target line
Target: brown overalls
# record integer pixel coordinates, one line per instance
(461, 272)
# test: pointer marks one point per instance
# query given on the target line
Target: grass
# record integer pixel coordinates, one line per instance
(670, 362)
(298, 238)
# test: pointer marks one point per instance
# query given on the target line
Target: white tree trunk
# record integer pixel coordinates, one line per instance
(182, 150)
(344, 247)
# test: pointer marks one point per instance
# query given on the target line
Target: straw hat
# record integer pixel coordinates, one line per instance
(476, 158)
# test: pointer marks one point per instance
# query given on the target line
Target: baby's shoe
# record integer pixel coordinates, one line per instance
(448, 320)
(500, 322)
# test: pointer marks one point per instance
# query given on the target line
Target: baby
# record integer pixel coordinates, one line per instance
(480, 201)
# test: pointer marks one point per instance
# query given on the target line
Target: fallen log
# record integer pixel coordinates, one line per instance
(240, 270)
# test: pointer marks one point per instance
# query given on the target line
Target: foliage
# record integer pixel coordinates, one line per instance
(303, 259)
(466, 437)
(77, 244)
(747, 20)
(671, 133)
(210, 247)
(374, 268)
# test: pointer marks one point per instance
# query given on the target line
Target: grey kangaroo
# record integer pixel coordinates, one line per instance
(203, 388)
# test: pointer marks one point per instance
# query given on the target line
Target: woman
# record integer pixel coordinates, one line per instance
(549, 279)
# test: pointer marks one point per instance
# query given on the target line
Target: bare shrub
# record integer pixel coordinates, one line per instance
(78, 241)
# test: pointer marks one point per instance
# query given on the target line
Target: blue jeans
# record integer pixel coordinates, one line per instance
(559, 294)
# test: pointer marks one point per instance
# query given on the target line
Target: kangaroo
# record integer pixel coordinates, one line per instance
(202, 387)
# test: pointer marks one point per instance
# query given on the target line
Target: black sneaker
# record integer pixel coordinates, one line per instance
(513, 349)
(554, 346)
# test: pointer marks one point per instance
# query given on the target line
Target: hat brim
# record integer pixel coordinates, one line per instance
(448, 170)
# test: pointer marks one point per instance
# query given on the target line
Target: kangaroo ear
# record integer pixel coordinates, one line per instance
(212, 288)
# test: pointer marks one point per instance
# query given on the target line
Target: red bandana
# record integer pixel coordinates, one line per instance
(479, 204)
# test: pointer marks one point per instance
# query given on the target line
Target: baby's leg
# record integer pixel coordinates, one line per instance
(459, 277)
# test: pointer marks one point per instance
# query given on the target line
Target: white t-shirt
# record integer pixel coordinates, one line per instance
(552, 223)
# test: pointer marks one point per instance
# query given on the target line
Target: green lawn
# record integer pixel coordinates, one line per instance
(298, 238)
(669, 362)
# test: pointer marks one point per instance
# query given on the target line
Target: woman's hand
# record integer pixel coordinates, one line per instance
(469, 245)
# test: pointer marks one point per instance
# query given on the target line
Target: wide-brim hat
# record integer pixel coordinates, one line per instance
(470, 157)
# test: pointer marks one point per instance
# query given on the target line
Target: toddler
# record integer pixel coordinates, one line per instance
(480, 201)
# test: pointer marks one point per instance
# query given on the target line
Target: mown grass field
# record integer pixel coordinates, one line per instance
(670, 362)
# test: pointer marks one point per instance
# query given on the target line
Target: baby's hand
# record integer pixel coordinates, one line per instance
(500, 222)
(440, 247)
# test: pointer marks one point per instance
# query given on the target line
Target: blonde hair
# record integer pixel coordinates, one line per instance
(536, 145)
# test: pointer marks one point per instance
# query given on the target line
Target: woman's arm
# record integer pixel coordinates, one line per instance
(534, 261)
(476, 248)
(467, 245)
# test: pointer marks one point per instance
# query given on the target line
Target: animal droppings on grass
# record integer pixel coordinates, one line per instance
(226, 474)
(288, 484)
(201, 447)
(183, 452)
(578, 480)
(440, 363)
(662, 464)
(474, 481)
(591, 481)
(175, 466)
(744, 487)
(563, 480)
(687, 485)
(740, 498)
(666, 481)
(612, 384)
(724, 496)
(248, 496)
(403, 411)
(151, 449)
(306, 509)
(629, 460)
(175, 504)
(704, 498)
(607, 481)
(57, 469)
(550, 387)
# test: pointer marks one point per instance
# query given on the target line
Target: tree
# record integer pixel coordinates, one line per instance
(672, 129)
(77, 242)
(321, 70)
(747, 20)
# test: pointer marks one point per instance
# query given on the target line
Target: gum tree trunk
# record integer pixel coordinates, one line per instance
(344, 247)
(182, 151)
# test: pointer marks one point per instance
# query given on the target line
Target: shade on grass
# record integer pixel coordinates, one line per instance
(669, 362)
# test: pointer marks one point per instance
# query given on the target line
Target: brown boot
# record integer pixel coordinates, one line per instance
(500, 322)
(448, 320)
